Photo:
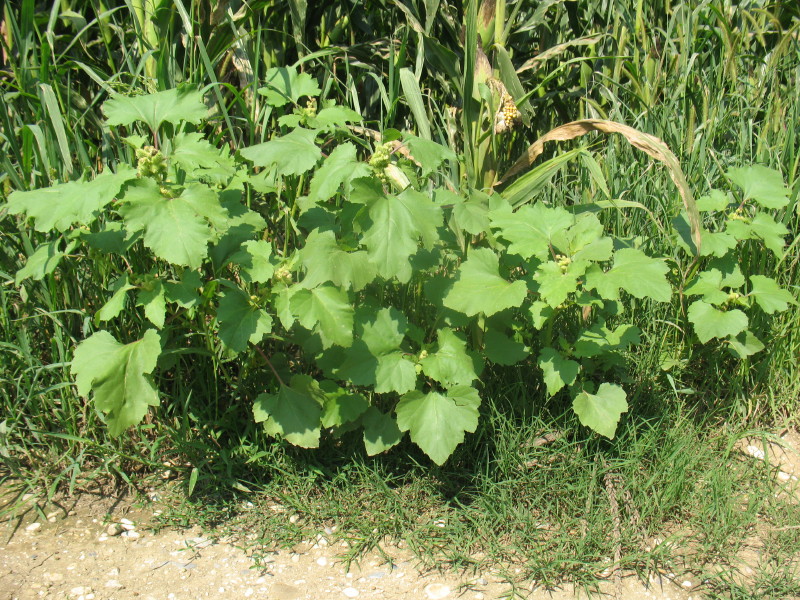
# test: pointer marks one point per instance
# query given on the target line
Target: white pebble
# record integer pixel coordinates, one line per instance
(33, 527)
(113, 584)
(350, 592)
(294, 518)
(435, 591)
(114, 529)
(784, 476)
(322, 561)
(755, 452)
(295, 558)
(80, 590)
(479, 596)
(687, 584)
(131, 535)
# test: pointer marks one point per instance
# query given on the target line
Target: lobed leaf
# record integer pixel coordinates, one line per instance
(437, 422)
(117, 376)
(601, 411)
(480, 289)
(293, 413)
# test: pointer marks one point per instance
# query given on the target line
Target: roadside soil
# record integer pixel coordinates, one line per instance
(100, 547)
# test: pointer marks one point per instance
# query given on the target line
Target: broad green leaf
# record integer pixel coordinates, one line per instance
(601, 411)
(584, 241)
(326, 310)
(383, 332)
(325, 260)
(195, 155)
(395, 373)
(472, 216)
(450, 365)
(334, 116)
(557, 370)
(429, 155)
(708, 284)
(339, 167)
(728, 266)
(340, 405)
(285, 84)
(254, 260)
(599, 339)
(769, 295)
(293, 413)
(530, 229)
(171, 106)
(117, 374)
(115, 304)
(710, 322)
(175, 229)
(43, 261)
(540, 312)
(712, 244)
(111, 238)
(66, 204)
(480, 289)
(397, 223)
(243, 224)
(185, 292)
(151, 297)
(771, 232)
(745, 344)
(501, 349)
(634, 272)
(437, 422)
(380, 431)
(555, 285)
(292, 154)
(374, 359)
(717, 200)
(763, 185)
(240, 321)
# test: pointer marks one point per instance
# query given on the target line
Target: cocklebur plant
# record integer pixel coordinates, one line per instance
(387, 285)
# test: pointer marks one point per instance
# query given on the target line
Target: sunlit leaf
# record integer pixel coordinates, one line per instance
(117, 374)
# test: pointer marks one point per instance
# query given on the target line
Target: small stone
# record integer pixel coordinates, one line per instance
(33, 527)
(103, 537)
(687, 584)
(479, 596)
(376, 575)
(282, 591)
(322, 561)
(114, 584)
(295, 558)
(755, 452)
(131, 535)
(53, 577)
(784, 476)
(435, 591)
(26, 497)
(248, 592)
(52, 514)
(114, 529)
(482, 581)
(80, 590)
(294, 519)
(350, 592)
(329, 530)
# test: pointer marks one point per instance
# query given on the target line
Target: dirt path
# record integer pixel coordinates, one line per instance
(102, 549)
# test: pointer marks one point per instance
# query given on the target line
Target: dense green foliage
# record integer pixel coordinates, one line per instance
(331, 246)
